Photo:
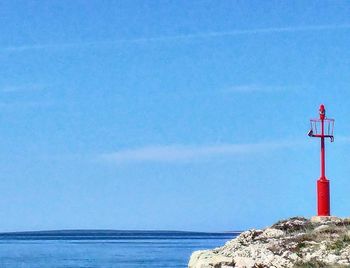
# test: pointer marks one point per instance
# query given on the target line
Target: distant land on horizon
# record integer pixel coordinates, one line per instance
(93, 234)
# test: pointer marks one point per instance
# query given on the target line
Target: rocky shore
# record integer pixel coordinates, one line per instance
(295, 242)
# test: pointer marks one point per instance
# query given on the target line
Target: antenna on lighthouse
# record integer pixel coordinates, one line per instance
(322, 128)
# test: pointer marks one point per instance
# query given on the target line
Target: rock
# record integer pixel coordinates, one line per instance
(244, 262)
(320, 242)
(332, 258)
(292, 224)
(208, 259)
(322, 228)
(325, 219)
(272, 233)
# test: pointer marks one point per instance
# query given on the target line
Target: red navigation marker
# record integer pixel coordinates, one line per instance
(322, 128)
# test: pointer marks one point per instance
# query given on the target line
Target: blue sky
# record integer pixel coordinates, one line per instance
(182, 115)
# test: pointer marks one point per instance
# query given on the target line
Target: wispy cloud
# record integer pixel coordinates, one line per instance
(22, 88)
(342, 138)
(184, 37)
(176, 153)
(26, 100)
(25, 104)
(249, 88)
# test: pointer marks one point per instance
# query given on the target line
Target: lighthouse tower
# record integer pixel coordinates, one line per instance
(322, 128)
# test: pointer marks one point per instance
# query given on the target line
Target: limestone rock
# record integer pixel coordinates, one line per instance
(208, 259)
(322, 228)
(320, 242)
(272, 233)
(325, 219)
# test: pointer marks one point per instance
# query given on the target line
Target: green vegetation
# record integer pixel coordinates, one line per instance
(334, 236)
(311, 264)
(317, 264)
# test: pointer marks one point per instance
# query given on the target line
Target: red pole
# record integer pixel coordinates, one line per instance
(323, 162)
(323, 203)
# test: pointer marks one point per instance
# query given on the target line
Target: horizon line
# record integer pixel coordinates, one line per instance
(114, 230)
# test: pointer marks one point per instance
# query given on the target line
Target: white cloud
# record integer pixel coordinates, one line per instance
(342, 138)
(176, 153)
(250, 88)
(22, 88)
(25, 104)
(177, 37)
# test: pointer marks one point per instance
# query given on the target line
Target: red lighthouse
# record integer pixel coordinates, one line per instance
(322, 128)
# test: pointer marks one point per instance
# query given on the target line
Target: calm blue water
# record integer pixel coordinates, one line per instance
(104, 248)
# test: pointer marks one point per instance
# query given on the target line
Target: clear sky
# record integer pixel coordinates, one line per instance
(182, 115)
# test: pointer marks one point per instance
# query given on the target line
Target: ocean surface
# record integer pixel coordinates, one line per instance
(92, 249)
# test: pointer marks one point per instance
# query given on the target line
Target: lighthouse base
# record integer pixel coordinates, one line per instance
(323, 203)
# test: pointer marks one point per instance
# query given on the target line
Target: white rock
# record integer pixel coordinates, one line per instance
(331, 258)
(244, 262)
(322, 228)
(272, 233)
(282, 245)
(323, 219)
(208, 259)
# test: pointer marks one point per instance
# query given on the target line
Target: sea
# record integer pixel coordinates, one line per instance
(107, 249)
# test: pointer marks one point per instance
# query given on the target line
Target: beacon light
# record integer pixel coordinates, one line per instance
(322, 128)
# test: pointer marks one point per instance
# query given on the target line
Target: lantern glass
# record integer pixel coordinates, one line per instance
(316, 126)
